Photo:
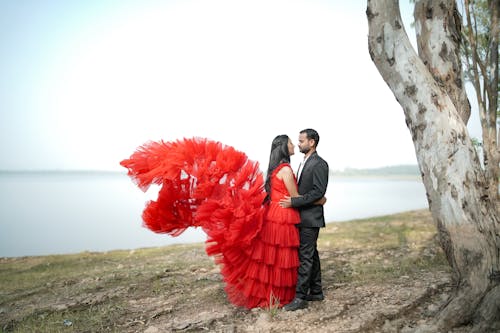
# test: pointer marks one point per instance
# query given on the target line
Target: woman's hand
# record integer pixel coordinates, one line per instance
(321, 201)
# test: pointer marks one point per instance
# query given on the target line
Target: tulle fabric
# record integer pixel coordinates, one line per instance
(206, 184)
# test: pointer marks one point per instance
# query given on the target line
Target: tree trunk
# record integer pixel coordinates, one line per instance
(439, 30)
(484, 74)
(466, 218)
(494, 170)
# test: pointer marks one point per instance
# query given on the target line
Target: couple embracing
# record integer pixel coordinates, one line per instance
(306, 194)
(263, 237)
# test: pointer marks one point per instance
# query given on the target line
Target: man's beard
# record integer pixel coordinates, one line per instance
(305, 150)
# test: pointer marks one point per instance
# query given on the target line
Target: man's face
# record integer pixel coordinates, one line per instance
(304, 143)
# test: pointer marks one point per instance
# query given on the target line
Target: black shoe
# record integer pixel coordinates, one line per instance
(296, 304)
(315, 297)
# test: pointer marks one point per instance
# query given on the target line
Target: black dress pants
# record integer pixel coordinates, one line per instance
(309, 277)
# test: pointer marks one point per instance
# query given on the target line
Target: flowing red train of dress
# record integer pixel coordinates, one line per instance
(206, 184)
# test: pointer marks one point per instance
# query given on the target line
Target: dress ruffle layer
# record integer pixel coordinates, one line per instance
(209, 185)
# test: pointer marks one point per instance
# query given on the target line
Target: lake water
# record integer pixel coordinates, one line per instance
(54, 213)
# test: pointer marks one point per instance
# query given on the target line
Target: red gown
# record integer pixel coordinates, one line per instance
(209, 185)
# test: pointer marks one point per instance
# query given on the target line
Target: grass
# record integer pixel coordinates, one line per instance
(119, 291)
(274, 303)
(382, 247)
(74, 283)
(99, 317)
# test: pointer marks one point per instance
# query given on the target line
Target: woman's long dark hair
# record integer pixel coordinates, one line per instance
(279, 154)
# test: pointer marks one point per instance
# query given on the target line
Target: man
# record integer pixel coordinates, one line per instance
(312, 182)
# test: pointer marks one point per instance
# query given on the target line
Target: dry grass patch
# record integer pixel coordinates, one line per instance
(179, 288)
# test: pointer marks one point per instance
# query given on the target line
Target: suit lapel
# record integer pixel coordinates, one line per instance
(305, 166)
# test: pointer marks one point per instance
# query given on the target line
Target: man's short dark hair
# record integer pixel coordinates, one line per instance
(311, 135)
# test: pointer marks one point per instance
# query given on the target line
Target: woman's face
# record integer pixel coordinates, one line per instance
(291, 147)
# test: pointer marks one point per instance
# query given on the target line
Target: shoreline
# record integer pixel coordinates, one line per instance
(196, 243)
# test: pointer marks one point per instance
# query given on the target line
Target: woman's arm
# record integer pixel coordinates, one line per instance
(291, 186)
(318, 181)
(286, 174)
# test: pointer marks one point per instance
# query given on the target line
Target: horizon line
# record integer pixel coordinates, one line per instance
(349, 168)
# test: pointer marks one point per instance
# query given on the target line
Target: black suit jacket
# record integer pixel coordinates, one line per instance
(312, 187)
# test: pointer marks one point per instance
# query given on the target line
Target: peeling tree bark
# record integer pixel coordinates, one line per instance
(439, 32)
(467, 220)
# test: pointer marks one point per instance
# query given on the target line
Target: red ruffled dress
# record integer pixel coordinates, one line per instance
(275, 252)
(209, 185)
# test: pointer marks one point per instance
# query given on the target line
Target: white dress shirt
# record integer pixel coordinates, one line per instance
(301, 167)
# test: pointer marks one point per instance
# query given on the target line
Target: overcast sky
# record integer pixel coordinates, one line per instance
(83, 83)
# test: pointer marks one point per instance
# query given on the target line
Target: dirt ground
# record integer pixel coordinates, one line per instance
(398, 305)
(379, 275)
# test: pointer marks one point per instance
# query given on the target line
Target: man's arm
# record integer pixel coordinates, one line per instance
(320, 182)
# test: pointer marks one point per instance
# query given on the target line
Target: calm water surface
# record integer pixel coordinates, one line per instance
(53, 213)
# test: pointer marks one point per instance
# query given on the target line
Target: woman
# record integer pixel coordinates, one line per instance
(207, 184)
(277, 244)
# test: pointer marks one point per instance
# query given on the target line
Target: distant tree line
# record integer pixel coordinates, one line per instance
(395, 170)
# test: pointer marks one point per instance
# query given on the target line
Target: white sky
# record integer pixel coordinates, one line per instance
(83, 83)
